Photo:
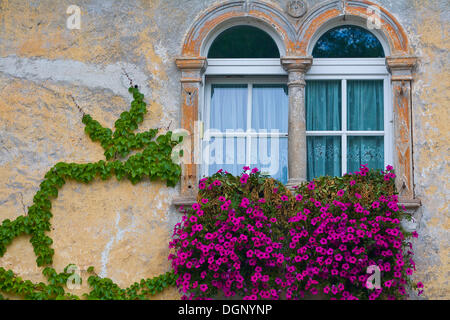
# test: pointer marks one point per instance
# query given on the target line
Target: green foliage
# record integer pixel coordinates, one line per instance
(153, 162)
(53, 290)
(102, 288)
(106, 289)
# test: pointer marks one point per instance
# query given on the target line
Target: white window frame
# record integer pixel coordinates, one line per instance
(250, 80)
(356, 69)
(267, 66)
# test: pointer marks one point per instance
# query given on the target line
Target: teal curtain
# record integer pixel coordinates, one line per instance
(365, 150)
(365, 103)
(323, 112)
(324, 156)
(365, 112)
(323, 105)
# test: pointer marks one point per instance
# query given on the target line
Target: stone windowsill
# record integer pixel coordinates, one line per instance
(409, 204)
(185, 201)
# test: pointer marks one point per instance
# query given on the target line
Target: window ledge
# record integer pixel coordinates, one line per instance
(410, 204)
(184, 201)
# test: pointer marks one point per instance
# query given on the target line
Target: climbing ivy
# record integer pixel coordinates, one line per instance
(153, 162)
(106, 289)
(102, 288)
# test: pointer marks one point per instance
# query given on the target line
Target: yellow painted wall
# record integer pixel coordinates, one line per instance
(123, 230)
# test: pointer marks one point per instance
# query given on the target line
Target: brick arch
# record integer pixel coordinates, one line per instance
(319, 16)
(208, 22)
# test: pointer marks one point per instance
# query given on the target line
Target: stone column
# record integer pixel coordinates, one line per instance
(296, 68)
(401, 69)
(191, 82)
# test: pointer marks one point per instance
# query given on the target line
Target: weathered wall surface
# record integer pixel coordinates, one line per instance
(123, 230)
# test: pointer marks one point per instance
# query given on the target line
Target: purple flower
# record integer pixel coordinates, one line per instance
(244, 178)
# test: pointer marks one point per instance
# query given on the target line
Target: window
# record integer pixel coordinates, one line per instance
(246, 111)
(246, 123)
(243, 42)
(342, 54)
(348, 110)
(245, 104)
(348, 42)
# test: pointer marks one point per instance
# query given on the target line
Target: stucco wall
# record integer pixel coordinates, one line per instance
(123, 230)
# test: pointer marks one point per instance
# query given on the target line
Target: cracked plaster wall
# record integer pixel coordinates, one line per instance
(123, 230)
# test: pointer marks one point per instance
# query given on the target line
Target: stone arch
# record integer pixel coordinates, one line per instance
(325, 14)
(257, 13)
(353, 21)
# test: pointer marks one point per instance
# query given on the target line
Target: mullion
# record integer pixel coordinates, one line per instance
(344, 126)
(249, 123)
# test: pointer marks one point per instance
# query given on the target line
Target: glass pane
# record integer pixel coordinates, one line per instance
(323, 156)
(225, 153)
(243, 42)
(323, 105)
(348, 42)
(270, 156)
(270, 107)
(365, 150)
(365, 99)
(228, 106)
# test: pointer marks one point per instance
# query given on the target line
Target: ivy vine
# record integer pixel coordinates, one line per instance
(153, 162)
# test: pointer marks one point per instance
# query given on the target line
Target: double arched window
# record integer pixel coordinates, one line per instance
(246, 103)
(331, 86)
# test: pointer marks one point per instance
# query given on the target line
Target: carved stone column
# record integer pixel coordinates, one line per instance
(191, 82)
(296, 68)
(401, 69)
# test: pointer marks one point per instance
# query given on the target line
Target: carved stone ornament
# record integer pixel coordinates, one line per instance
(296, 8)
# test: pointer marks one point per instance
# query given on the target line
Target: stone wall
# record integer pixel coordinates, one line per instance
(123, 230)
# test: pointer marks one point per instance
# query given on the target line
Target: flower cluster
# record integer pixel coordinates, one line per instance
(337, 237)
(337, 246)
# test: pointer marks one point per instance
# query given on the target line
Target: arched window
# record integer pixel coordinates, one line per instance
(348, 108)
(245, 109)
(348, 42)
(243, 42)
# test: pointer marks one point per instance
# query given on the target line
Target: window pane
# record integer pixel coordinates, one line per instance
(243, 42)
(225, 153)
(348, 42)
(323, 105)
(270, 107)
(270, 156)
(323, 156)
(365, 150)
(228, 106)
(365, 100)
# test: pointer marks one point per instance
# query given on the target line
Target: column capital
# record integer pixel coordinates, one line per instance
(296, 63)
(401, 67)
(191, 63)
(191, 68)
